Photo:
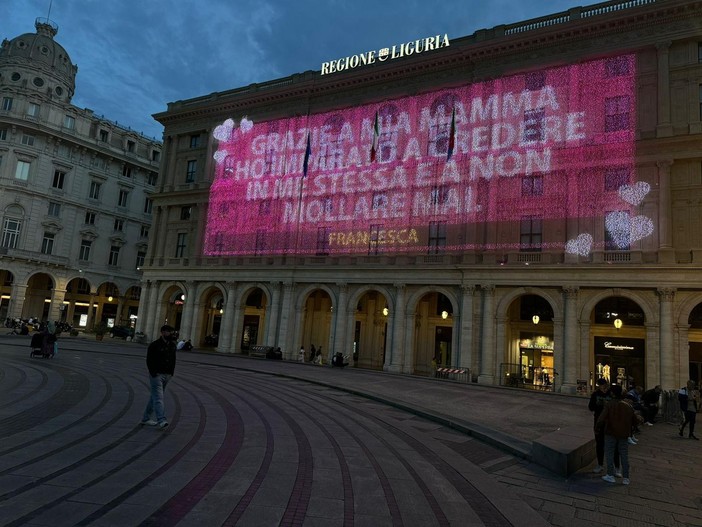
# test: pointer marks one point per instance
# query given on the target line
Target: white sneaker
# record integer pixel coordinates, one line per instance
(648, 423)
(618, 473)
(597, 469)
(631, 441)
(608, 478)
(163, 424)
(148, 422)
(625, 481)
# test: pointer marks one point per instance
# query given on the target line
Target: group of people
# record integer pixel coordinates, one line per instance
(315, 355)
(618, 416)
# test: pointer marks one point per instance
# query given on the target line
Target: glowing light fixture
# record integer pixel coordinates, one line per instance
(109, 298)
(618, 323)
(535, 319)
(444, 315)
(386, 311)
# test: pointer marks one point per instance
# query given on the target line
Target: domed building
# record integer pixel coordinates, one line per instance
(75, 206)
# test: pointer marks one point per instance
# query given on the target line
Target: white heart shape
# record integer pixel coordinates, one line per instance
(245, 125)
(220, 155)
(634, 194)
(580, 245)
(223, 132)
(641, 226)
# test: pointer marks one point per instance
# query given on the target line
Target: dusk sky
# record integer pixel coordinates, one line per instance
(135, 56)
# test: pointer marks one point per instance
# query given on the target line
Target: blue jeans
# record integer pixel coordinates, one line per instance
(155, 404)
(613, 444)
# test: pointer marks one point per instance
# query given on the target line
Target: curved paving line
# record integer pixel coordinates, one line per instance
(180, 504)
(75, 387)
(27, 518)
(21, 380)
(100, 429)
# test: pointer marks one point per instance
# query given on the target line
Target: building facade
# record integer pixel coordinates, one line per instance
(522, 203)
(75, 194)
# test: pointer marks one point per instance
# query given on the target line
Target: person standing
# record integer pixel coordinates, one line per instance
(599, 398)
(689, 399)
(650, 403)
(160, 360)
(301, 354)
(617, 420)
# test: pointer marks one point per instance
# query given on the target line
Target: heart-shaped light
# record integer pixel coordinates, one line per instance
(219, 156)
(641, 226)
(580, 245)
(625, 230)
(223, 132)
(634, 194)
(245, 125)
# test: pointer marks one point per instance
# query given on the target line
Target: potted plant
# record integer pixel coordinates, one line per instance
(100, 330)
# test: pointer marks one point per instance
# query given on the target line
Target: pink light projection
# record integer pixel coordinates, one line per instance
(551, 144)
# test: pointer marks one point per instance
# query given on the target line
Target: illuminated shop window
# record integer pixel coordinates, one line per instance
(617, 113)
(530, 234)
(437, 237)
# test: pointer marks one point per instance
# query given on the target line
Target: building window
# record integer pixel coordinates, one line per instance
(181, 244)
(89, 218)
(437, 237)
(59, 179)
(617, 113)
(127, 171)
(104, 136)
(141, 256)
(122, 199)
(530, 233)
(615, 177)
(114, 256)
(260, 241)
(54, 209)
(10, 233)
(323, 241)
(148, 205)
(194, 141)
(373, 239)
(700, 105)
(152, 178)
(131, 145)
(119, 224)
(699, 52)
(47, 244)
(69, 122)
(7, 103)
(185, 212)
(3, 134)
(190, 173)
(535, 80)
(144, 233)
(95, 190)
(534, 124)
(22, 171)
(85, 246)
(616, 67)
(155, 155)
(28, 139)
(532, 185)
(33, 110)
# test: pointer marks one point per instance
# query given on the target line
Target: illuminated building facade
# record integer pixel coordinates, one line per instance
(75, 193)
(496, 204)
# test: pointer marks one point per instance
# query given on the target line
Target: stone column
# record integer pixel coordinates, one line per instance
(664, 128)
(273, 313)
(341, 321)
(466, 327)
(152, 329)
(410, 342)
(17, 299)
(57, 297)
(186, 324)
(237, 325)
(570, 350)
(487, 350)
(668, 369)
(397, 320)
(144, 308)
(225, 333)
(120, 309)
(91, 317)
(666, 253)
(289, 347)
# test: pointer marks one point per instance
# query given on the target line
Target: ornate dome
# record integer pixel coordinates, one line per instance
(35, 61)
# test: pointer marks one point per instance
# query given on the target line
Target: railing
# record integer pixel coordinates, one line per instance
(527, 377)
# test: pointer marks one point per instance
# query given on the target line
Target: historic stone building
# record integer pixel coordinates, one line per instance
(75, 201)
(522, 203)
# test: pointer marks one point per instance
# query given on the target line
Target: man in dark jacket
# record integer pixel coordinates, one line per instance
(599, 398)
(160, 360)
(617, 420)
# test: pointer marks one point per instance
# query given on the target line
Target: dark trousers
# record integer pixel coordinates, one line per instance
(690, 417)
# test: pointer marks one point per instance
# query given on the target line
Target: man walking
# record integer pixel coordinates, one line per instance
(160, 360)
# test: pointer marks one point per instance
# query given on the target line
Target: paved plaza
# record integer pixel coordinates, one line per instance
(266, 443)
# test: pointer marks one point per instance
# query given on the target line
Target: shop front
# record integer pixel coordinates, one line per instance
(620, 361)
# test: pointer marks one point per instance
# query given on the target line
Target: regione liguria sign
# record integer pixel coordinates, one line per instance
(384, 54)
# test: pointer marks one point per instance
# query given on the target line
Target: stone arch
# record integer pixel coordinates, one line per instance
(210, 296)
(588, 306)
(369, 326)
(358, 294)
(684, 309)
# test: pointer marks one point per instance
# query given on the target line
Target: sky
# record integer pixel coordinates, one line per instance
(136, 56)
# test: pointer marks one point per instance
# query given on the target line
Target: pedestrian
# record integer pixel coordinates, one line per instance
(599, 398)
(338, 360)
(301, 355)
(313, 352)
(318, 357)
(160, 360)
(650, 403)
(617, 420)
(689, 399)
